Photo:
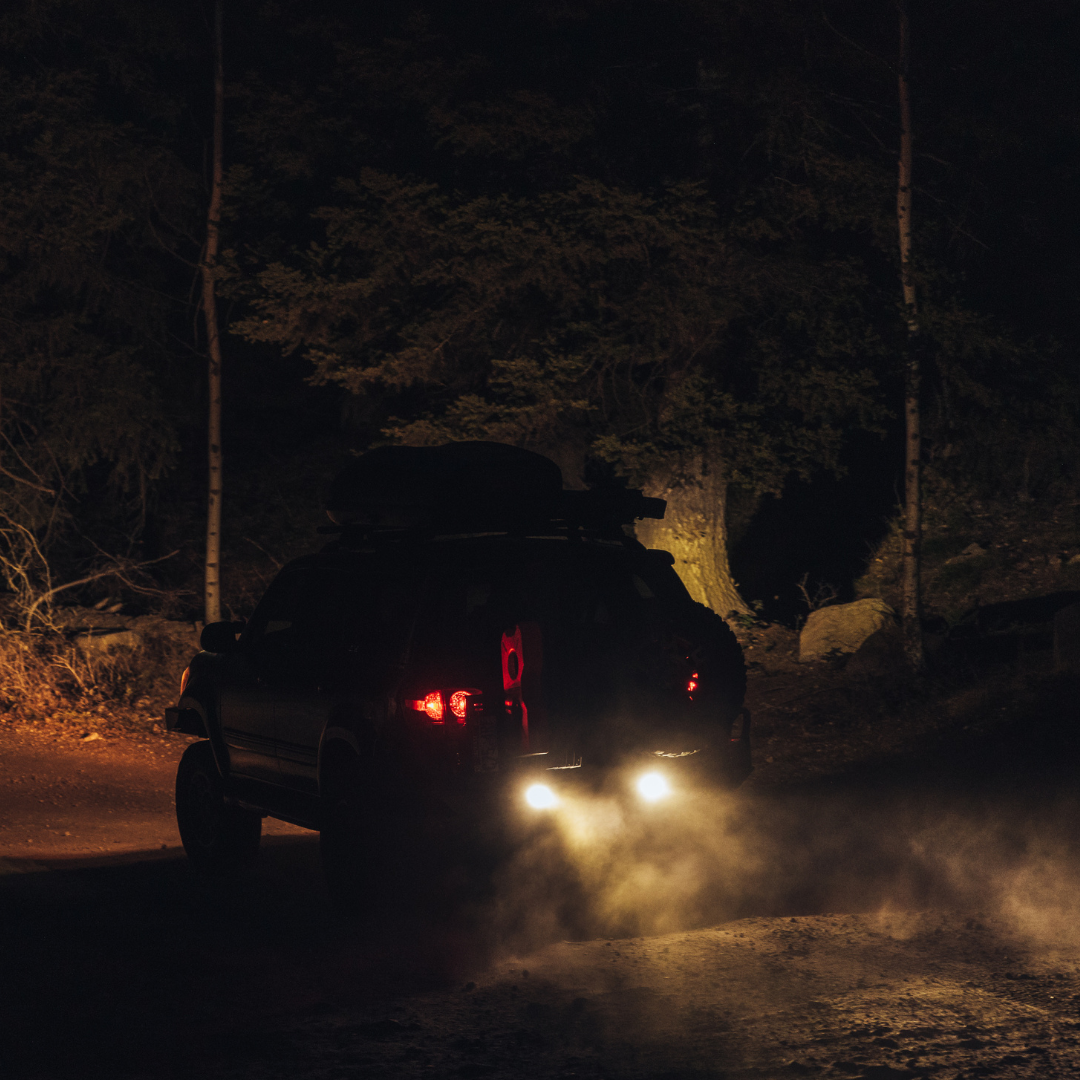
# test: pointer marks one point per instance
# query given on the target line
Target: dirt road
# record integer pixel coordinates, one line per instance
(67, 800)
(899, 926)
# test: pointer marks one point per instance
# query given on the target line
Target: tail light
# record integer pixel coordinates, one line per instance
(433, 707)
(184, 680)
(440, 705)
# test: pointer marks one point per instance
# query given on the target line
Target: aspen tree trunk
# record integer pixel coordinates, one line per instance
(213, 342)
(911, 607)
(695, 532)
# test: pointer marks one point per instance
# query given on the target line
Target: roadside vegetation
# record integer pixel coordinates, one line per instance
(58, 686)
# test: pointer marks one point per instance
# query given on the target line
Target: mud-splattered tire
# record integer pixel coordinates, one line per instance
(218, 838)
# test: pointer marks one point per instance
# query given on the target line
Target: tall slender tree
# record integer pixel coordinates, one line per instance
(912, 374)
(213, 341)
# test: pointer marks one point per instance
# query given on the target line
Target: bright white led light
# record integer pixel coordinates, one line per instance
(541, 797)
(653, 786)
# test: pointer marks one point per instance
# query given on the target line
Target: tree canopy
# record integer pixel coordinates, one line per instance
(616, 231)
(93, 193)
(649, 232)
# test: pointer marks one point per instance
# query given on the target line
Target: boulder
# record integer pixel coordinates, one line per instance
(98, 632)
(84, 619)
(97, 642)
(881, 653)
(185, 634)
(1067, 639)
(842, 628)
(972, 551)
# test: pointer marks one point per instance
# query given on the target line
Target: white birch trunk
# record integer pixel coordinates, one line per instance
(911, 608)
(213, 343)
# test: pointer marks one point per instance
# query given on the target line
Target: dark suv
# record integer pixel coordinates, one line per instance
(463, 652)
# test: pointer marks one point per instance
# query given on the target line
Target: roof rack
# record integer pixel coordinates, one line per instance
(399, 492)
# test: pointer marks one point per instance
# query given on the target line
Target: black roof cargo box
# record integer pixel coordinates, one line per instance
(470, 486)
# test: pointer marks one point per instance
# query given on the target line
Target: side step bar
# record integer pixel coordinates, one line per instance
(295, 807)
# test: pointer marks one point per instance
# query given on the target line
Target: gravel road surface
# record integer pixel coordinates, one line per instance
(897, 926)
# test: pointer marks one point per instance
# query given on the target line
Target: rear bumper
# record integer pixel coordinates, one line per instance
(502, 796)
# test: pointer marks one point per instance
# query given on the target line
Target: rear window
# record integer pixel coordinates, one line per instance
(556, 582)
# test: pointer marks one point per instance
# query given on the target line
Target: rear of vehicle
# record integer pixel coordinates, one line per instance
(448, 668)
(570, 661)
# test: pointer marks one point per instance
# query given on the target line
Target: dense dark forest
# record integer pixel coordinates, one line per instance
(621, 233)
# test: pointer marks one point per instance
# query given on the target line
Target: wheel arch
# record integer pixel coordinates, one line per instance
(211, 727)
(339, 750)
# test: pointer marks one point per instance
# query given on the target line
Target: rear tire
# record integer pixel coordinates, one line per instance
(374, 854)
(345, 837)
(346, 868)
(218, 838)
(722, 662)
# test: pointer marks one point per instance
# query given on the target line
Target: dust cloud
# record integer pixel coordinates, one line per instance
(603, 864)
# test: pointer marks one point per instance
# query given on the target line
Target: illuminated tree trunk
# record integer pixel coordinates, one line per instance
(213, 342)
(695, 532)
(911, 606)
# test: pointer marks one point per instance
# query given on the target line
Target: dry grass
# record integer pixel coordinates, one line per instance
(45, 680)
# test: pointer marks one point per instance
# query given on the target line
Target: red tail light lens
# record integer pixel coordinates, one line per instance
(184, 680)
(459, 704)
(433, 706)
(436, 705)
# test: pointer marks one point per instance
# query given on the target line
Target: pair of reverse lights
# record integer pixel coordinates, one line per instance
(652, 787)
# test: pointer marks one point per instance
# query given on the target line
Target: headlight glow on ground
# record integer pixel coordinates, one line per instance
(541, 797)
(653, 786)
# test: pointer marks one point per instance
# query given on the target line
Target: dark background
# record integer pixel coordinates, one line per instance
(784, 112)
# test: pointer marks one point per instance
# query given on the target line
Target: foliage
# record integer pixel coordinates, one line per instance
(522, 264)
(629, 317)
(46, 678)
(93, 205)
(627, 232)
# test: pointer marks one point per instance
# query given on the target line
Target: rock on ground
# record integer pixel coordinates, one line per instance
(880, 654)
(842, 628)
(96, 632)
(107, 640)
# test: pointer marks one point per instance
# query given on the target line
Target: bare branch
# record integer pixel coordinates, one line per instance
(824, 594)
(856, 45)
(29, 483)
(276, 562)
(110, 571)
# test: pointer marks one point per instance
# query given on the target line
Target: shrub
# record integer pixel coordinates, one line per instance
(44, 678)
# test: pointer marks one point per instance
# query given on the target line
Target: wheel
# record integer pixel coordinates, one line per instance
(218, 838)
(345, 865)
(345, 848)
(374, 854)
